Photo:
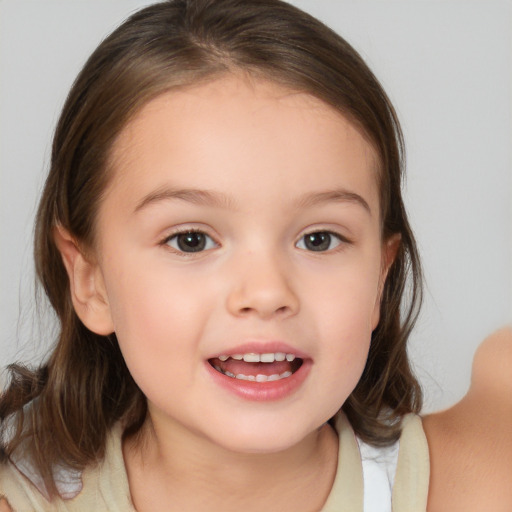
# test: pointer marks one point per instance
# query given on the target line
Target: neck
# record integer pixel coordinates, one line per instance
(174, 466)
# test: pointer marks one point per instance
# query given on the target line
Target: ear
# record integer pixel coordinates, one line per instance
(389, 251)
(86, 284)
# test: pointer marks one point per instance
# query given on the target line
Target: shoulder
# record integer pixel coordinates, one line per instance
(492, 373)
(471, 443)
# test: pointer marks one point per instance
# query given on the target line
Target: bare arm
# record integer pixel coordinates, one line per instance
(471, 443)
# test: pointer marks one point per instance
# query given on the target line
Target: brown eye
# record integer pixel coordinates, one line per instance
(191, 241)
(319, 241)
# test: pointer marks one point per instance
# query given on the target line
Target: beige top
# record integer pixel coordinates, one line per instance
(105, 487)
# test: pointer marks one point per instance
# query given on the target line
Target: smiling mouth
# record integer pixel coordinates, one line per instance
(267, 367)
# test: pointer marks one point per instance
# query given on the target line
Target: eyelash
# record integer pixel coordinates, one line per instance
(189, 231)
(341, 240)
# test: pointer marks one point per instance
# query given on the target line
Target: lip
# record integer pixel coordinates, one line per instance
(262, 391)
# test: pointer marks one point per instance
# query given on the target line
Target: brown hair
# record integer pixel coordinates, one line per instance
(84, 387)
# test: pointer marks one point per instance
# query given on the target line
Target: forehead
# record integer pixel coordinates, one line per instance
(238, 129)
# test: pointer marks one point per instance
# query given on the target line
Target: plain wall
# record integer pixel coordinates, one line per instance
(446, 66)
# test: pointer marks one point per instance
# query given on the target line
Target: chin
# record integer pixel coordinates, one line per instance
(260, 446)
(262, 441)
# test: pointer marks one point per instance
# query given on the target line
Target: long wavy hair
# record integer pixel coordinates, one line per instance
(63, 411)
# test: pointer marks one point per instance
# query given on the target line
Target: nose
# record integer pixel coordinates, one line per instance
(261, 287)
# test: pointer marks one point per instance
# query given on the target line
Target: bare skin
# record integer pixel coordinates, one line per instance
(471, 443)
(470, 450)
(4, 505)
(211, 443)
(298, 480)
(470, 446)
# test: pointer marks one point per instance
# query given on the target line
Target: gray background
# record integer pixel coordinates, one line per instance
(446, 66)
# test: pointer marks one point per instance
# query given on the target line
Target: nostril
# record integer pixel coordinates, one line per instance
(263, 300)
(280, 310)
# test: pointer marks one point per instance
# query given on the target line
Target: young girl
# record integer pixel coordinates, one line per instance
(223, 239)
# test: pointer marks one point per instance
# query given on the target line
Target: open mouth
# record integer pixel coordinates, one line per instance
(267, 367)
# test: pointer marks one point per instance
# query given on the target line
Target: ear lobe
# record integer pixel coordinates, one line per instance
(86, 284)
(389, 251)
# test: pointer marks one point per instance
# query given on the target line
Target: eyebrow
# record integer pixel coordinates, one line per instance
(219, 200)
(195, 196)
(339, 195)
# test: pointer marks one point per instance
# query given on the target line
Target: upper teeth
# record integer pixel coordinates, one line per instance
(252, 357)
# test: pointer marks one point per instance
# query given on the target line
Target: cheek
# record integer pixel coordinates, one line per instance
(157, 320)
(347, 330)
(348, 334)
(348, 296)
(146, 298)
(346, 310)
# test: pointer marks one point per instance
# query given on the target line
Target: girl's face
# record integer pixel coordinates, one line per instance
(241, 227)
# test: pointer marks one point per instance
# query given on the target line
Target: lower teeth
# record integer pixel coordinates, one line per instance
(262, 378)
(255, 378)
